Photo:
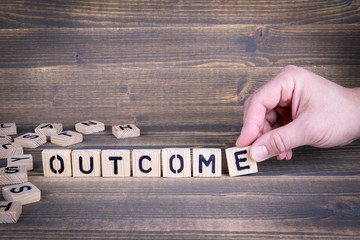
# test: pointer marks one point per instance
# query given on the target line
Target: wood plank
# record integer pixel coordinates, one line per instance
(290, 207)
(205, 46)
(27, 14)
(210, 97)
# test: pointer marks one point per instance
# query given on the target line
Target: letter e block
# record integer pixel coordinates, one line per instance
(21, 160)
(91, 126)
(13, 175)
(207, 162)
(49, 129)
(5, 139)
(125, 131)
(8, 128)
(24, 192)
(66, 138)
(115, 163)
(86, 163)
(10, 212)
(176, 162)
(31, 140)
(146, 163)
(57, 162)
(239, 161)
(10, 149)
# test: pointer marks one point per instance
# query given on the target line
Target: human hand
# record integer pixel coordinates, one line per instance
(298, 108)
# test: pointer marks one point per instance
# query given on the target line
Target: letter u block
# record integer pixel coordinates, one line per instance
(86, 163)
(57, 162)
(207, 162)
(239, 161)
(146, 163)
(176, 162)
(115, 163)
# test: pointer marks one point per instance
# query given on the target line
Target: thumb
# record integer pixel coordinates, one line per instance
(278, 141)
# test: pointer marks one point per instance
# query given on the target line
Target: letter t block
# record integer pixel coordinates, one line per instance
(115, 163)
(239, 161)
(57, 162)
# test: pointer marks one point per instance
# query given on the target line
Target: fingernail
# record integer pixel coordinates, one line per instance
(259, 153)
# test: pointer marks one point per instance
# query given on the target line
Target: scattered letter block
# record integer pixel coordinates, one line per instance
(31, 140)
(115, 163)
(207, 162)
(239, 161)
(176, 162)
(10, 212)
(57, 162)
(146, 163)
(13, 175)
(66, 138)
(10, 149)
(21, 160)
(49, 129)
(24, 192)
(125, 131)
(8, 128)
(5, 139)
(90, 126)
(86, 162)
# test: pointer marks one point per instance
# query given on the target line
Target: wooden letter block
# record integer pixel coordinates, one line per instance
(125, 131)
(115, 163)
(176, 162)
(21, 160)
(146, 163)
(57, 162)
(31, 140)
(86, 162)
(24, 192)
(10, 212)
(5, 139)
(66, 138)
(10, 149)
(49, 129)
(239, 162)
(90, 126)
(8, 128)
(13, 175)
(207, 162)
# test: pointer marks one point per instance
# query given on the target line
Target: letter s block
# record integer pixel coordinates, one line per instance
(10, 212)
(176, 162)
(24, 192)
(239, 161)
(207, 162)
(57, 162)
(86, 162)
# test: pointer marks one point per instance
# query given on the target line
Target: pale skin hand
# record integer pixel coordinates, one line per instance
(298, 108)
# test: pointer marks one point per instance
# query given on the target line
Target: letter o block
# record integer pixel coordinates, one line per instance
(146, 163)
(176, 162)
(57, 162)
(239, 161)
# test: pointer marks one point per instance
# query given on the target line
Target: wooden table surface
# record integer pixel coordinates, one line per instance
(181, 71)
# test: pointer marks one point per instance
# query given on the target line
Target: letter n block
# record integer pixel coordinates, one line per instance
(146, 163)
(21, 160)
(8, 128)
(5, 139)
(24, 192)
(49, 129)
(86, 163)
(13, 175)
(239, 161)
(207, 162)
(10, 149)
(66, 138)
(115, 163)
(91, 126)
(57, 162)
(176, 162)
(31, 140)
(10, 212)
(125, 131)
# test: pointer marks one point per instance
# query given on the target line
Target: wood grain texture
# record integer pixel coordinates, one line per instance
(29, 14)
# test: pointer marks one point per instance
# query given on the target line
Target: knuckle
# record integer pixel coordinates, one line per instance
(277, 143)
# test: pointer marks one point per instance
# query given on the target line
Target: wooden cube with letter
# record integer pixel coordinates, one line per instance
(176, 162)
(91, 126)
(115, 163)
(66, 138)
(10, 211)
(31, 140)
(49, 129)
(5, 139)
(21, 160)
(86, 162)
(125, 131)
(8, 128)
(146, 162)
(57, 162)
(10, 149)
(13, 175)
(239, 161)
(207, 162)
(24, 192)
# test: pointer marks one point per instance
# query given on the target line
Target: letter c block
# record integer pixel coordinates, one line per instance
(57, 162)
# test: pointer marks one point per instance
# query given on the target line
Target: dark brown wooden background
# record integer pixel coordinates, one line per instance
(181, 71)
